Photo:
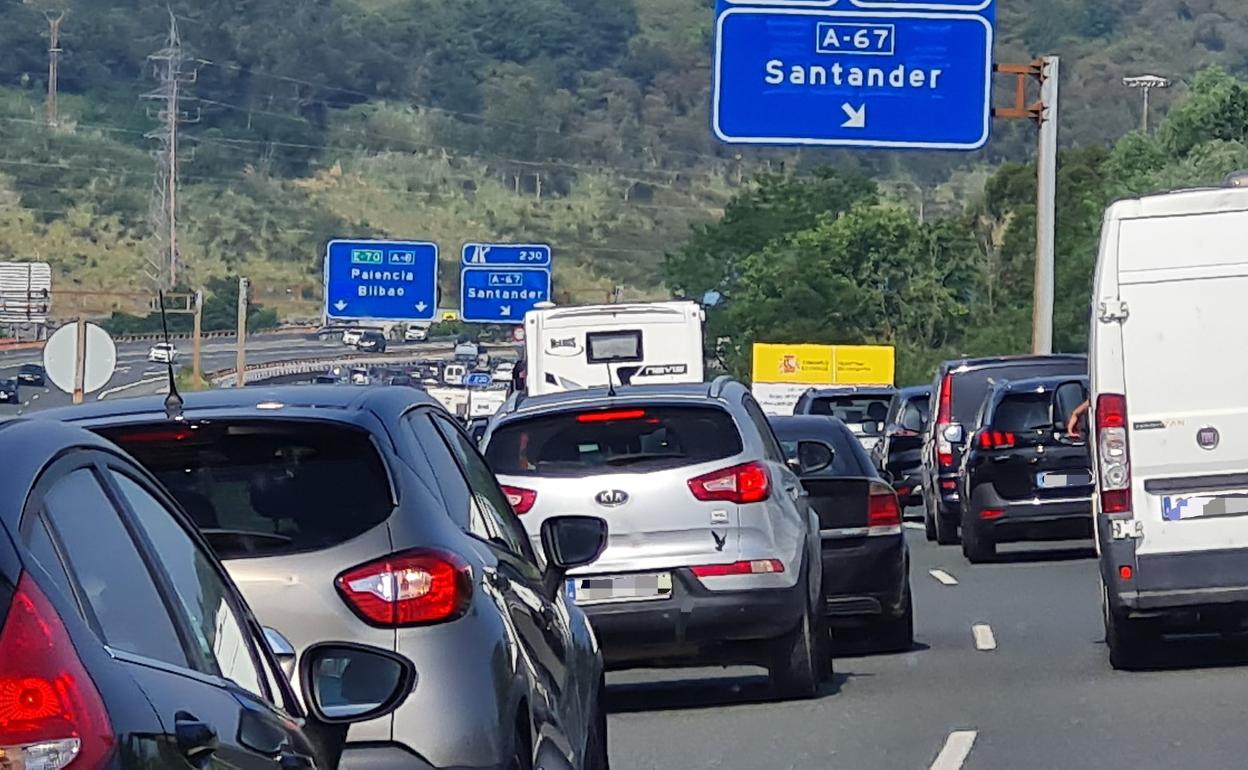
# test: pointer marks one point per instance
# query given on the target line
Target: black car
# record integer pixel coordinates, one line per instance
(866, 563)
(863, 408)
(900, 453)
(1023, 476)
(958, 392)
(372, 342)
(31, 374)
(123, 643)
(8, 392)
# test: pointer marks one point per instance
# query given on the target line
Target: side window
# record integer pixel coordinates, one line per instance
(204, 595)
(492, 516)
(35, 536)
(112, 579)
(771, 447)
(446, 474)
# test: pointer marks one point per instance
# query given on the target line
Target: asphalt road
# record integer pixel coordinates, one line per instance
(1043, 696)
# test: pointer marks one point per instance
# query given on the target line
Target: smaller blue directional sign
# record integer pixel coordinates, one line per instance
(381, 281)
(919, 79)
(972, 6)
(511, 254)
(478, 380)
(501, 295)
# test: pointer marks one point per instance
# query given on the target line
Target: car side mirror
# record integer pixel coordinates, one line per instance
(282, 649)
(573, 541)
(954, 434)
(813, 456)
(344, 683)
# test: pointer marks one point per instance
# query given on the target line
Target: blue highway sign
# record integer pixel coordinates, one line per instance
(478, 380)
(918, 79)
(381, 280)
(514, 255)
(501, 295)
(971, 6)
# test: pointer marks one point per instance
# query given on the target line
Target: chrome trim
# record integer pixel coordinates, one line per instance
(845, 533)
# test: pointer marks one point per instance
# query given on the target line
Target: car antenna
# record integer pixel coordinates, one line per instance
(173, 401)
(610, 383)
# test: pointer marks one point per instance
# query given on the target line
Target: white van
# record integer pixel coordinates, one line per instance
(1170, 417)
(570, 348)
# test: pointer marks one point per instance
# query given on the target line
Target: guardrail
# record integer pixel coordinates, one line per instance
(259, 372)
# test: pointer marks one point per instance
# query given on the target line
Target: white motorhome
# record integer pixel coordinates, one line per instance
(569, 348)
(1170, 417)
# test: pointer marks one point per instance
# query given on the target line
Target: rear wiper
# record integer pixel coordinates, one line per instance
(630, 459)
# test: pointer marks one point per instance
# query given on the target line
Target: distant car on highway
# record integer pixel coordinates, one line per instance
(352, 336)
(1023, 476)
(504, 371)
(8, 391)
(371, 342)
(116, 620)
(453, 374)
(714, 557)
(370, 517)
(866, 563)
(416, 334)
(862, 408)
(900, 453)
(162, 353)
(31, 374)
(361, 376)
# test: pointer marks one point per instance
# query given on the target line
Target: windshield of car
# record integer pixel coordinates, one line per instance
(630, 439)
(266, 488)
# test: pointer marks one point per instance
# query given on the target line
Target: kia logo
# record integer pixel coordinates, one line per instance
(1208, 438)
(611, 497)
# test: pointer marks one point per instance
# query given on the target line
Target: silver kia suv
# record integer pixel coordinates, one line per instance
(713, 553)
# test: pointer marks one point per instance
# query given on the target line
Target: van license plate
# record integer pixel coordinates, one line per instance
(620, 588)
(1052, 480)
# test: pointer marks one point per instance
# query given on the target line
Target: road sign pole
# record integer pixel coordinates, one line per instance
(240, 358)
(1046, 209)
(196, 340)
(80, 361)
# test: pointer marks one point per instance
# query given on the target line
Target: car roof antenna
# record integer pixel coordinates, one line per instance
(173, 401)
(610, 383)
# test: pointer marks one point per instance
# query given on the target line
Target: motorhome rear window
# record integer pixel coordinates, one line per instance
(613, 347)
(627, 439)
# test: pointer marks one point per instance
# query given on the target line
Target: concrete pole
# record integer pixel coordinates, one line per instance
(1046, 210)
(240, 360)
(80, 361)
(196, 341)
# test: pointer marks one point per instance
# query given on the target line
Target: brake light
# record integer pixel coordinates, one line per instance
(883, 510)
(988, 514)
(522, 500)
(996, 439)
(741, 484)
(612, 416)
(410, 588)
(755, 567)
(155, 436)
(1113, 457)
(945, 459)
(51, 715)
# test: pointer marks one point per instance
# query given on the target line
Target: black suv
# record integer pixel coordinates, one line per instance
(32, 374)
(900, 453)
(8, 392)
(372, 342)
(1023, 476)
(958, 392)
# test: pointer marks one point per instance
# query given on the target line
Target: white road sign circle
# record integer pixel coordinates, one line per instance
(61, 354)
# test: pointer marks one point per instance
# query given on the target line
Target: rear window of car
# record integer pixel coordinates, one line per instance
(266, 488)
(852, 409)
(626, 439)
(1021, 412)
(971, 388)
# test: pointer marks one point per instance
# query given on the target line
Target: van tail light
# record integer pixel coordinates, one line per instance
(522, 500)
(740, 484)
(411, 588)
(755, 567)
(996, 439)
(51, 715)
(883, 510)
(1113, 455)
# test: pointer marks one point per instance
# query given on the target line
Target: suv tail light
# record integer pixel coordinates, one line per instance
(411, 588)
(741, 484)
(996, 439)
(883, 510)
(1112, 454)
(755, 567)
(522, 500)
(944, 418)
(51, 715)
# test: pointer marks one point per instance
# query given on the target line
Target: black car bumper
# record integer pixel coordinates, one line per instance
(864, 579)
(695, 624)
(1025, 520)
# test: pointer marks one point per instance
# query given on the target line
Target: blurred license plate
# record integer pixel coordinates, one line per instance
(1053, 480)
(620, 588)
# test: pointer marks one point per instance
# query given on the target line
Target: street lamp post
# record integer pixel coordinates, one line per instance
(1146, 83)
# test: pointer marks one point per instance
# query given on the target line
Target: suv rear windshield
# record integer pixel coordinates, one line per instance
(852, 409)
(971, 388)
(626, 439)
(266, 488)
(1022, 412)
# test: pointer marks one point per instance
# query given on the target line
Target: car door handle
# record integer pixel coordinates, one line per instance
(195, 739)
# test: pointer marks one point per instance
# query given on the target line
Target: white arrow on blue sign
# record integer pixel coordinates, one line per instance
(370, 280)
(919, 79)
(501, 295)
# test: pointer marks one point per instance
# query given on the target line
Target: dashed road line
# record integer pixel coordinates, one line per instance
(944, 578)
(984, 640)
(955, 751)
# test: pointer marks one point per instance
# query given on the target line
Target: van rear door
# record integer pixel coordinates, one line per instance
(1185, 379)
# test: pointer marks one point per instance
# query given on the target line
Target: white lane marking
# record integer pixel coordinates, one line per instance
(984, 640)
(957, 748)
(944, 578)
(916, 525)
(120, 388)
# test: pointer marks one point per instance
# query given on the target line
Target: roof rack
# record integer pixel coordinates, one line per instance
(718, 384)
